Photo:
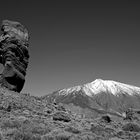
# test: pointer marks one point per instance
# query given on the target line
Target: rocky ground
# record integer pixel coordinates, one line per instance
(25, 117)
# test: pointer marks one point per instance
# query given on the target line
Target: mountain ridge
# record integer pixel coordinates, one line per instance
(99, 85)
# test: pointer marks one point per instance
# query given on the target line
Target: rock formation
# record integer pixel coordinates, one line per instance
(13, 55)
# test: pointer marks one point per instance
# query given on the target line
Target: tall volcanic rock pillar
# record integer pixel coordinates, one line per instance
(13, 55)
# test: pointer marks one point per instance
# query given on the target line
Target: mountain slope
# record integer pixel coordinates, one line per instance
(26, 117)
(99, 96)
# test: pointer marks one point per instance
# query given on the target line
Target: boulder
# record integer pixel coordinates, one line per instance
(61, 116)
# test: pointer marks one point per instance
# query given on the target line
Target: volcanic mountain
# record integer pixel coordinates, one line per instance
(98, 97)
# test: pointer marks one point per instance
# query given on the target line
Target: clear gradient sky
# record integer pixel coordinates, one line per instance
(75, 43)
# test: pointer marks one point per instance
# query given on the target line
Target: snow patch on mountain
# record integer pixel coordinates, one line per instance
(70, 90)
(107, 86)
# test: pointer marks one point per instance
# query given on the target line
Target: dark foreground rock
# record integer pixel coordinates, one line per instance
(13, 55)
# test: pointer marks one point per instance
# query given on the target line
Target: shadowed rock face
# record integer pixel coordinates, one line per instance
(13, 55)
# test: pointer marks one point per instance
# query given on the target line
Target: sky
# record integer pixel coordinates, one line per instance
(75, 43)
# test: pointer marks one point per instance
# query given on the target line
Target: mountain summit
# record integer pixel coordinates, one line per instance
(100, 96)
(99, 86)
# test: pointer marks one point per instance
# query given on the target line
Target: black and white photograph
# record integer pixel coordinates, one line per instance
(69, 70)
